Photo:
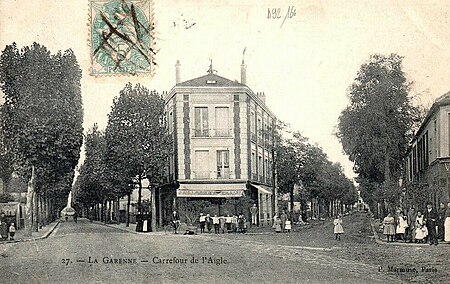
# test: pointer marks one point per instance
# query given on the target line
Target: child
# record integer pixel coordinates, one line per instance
(389, 228)
(421, 231)
(12, 232)
(288, 226)
(402, 224)
(338, 229)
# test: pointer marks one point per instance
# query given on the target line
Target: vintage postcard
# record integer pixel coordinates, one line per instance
(169, 141)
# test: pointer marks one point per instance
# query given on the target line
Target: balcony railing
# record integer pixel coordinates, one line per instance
(223, 174)
(226, 174)
(202, 175)
(222, 132)
(216, 132)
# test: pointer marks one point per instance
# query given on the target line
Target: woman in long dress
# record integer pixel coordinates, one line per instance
(447, 224)
(338, 229)
(277, 225)
(389, 228)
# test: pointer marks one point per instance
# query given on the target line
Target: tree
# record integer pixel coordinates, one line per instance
(43, 115)
(91, 181)
(137, 141)
(377, 126)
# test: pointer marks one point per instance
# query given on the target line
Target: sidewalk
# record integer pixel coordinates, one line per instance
(43, 233)
(377, 231)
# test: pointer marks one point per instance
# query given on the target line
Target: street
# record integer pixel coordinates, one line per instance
(86, 252)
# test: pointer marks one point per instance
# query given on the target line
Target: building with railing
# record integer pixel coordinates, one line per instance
(428, 159)
(222, 145)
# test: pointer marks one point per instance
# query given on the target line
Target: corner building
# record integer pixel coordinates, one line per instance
(223, 157)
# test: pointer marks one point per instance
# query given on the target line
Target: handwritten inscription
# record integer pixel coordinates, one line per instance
(278, 14)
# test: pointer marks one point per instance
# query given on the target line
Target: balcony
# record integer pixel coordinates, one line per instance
(202, 175)
(223, 174)
(222, 132)
(212, 175)
(216, 132)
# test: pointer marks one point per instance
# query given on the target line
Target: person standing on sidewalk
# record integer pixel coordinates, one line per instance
(411, 224)
(175, 221)
(202, 221)
(441, 221)
(431, 217)
(12, 232)
(389, 227)
(254, 213)
(338, 229)
(216, 223)
(447, 223)
(402, 225)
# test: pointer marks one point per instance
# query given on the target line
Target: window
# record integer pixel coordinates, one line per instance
(170, 122)
(252, 126)
(259, 128)
(253, 163)
(223, 164)
(266, 168)
(201, 164)
(260, 167)
(201, 122)
(222, 121)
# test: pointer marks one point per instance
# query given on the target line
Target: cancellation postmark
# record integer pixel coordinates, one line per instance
(121, 37)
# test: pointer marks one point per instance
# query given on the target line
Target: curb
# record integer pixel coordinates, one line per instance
(46, 235)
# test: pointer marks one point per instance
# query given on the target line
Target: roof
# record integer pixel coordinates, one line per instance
(439, 102)
(210, 80)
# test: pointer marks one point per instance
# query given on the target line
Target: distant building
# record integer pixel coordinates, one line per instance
(428, 160)
(222, 134)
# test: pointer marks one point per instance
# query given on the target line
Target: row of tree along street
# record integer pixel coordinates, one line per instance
(42, 135)
(41, 130)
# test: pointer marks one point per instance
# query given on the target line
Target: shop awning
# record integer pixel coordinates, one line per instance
(263, 189)
(225, 190)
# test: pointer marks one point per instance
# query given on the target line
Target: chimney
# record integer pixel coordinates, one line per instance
(243, 73)
(262, 96)
(177, 72)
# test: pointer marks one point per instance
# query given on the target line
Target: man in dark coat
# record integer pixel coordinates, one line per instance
(431, 217)
(441, 220)
(411, 224)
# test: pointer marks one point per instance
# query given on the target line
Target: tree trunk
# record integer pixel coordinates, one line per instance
(118, 211)
(111, 211)
(29, 204)
(153, 206)
(140, 195)
(291, 201)
(128, 209)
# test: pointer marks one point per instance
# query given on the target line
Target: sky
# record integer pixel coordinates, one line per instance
(304, 64)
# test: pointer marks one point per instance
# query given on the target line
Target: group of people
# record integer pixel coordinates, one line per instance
(222, 224)
(421, 226)
(7, 231)
(282, 223)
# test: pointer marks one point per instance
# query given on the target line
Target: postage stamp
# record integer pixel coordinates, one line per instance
(121, 37)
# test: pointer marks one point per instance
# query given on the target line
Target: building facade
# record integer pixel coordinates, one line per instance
(428, 160)
(222, 146)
